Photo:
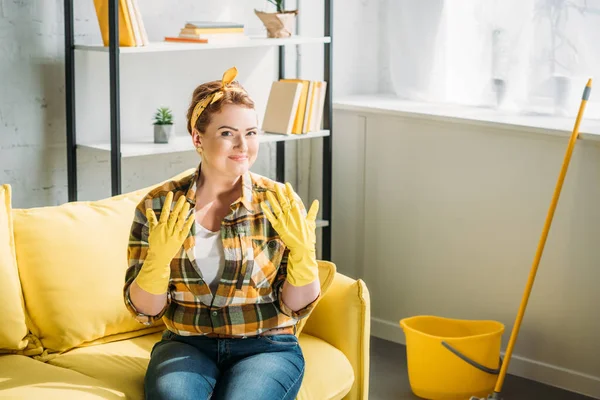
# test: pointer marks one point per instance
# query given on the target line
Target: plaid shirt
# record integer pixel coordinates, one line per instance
(248, 298)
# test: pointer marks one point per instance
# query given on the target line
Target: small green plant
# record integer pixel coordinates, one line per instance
(278, 4)
(163, 116)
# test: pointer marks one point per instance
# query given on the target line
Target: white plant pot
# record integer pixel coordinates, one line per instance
(163, 133)
(278, 25)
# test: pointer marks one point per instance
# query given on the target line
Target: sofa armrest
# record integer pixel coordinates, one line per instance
(343, 319)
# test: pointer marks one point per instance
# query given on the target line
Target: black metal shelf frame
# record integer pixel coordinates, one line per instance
(115, 131)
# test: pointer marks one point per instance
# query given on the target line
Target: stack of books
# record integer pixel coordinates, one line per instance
(295, 106)
(132, 32)
(209, 32)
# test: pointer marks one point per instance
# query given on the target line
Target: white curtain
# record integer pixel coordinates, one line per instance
(525, 56)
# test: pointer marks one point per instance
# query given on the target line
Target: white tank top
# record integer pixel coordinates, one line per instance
(209, 254)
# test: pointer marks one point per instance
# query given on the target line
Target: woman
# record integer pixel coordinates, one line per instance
(230, 268)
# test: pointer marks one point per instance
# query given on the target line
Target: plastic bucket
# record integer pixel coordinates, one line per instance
(450, 358)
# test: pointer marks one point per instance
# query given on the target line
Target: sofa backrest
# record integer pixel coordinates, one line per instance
(72, 260)
(13, 328)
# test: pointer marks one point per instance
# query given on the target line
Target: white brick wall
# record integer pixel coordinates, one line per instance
(32, 111)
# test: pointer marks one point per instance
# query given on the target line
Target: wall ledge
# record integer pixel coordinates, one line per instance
(478, 116)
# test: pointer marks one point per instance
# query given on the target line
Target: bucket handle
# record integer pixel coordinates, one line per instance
(473, 362)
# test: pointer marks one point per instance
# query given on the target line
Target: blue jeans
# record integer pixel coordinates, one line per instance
(201, 368)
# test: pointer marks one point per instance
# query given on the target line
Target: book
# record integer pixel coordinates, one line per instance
(213, 24)
(299, 122)
(308, 109)
(319, 106)
(209, 32)
(282, 107)
(140, 20)
(134, 23)
(184, 40)
(216, 38)
(222, 32)
(126, 34)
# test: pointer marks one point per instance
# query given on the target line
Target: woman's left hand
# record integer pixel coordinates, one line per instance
(296, 231)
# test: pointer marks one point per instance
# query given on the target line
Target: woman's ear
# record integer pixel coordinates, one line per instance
(196, 138)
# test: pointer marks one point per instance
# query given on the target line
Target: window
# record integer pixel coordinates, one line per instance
(524, 56)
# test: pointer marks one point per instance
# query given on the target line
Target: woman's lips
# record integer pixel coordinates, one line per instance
(238, 158)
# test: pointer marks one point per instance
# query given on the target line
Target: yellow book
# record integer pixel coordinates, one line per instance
(309, 97)
(299, 121)
(126, 36)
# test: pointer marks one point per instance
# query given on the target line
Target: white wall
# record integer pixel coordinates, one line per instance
(32, 112)
(444, 219)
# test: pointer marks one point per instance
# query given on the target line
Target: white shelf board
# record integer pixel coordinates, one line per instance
(181, 143)
(156, 47)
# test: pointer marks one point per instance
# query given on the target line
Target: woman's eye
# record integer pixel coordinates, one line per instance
(252, 133)
(226, 133)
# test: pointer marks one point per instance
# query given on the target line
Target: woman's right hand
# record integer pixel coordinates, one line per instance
(166, 235)
(165, 238)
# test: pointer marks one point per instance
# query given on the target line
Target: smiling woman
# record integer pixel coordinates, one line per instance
(223, 255)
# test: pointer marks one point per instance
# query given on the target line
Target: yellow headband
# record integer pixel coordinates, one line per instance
(228, 77)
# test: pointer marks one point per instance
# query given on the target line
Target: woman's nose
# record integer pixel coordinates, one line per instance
(242, 144)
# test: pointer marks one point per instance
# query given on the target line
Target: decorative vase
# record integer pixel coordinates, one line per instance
(278, 25)
(162, 133)
(561, 91)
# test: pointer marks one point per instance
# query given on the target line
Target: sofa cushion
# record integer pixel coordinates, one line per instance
(326, 274)
(328, 373)
(26, 378)
(13, 328)
(123, 364)
(72, 260)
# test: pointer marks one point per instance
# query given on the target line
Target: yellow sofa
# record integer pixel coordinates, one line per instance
(65, 332)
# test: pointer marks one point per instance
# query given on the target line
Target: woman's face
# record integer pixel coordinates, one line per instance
(230, 143)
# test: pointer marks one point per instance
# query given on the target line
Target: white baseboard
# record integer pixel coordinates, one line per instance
(520, 366)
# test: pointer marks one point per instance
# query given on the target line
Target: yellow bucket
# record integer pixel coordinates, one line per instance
(452, 359)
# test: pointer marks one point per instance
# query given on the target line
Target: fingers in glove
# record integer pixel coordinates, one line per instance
(274, 204)
(151, 216)
(181, 220)
(175, 214)
(291, 196)
(284, 202)
(186, 228)
(166, 210)
(313, 211)
(272, 218)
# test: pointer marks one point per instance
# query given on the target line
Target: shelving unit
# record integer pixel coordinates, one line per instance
(119, 150)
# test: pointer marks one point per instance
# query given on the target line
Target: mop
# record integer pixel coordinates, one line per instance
(540, 249)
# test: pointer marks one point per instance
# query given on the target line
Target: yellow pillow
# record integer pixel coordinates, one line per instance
(326, 274)
(72, 260)
(13, 328)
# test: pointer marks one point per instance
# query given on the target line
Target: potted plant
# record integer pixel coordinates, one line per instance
(163, 125)
(279, 24)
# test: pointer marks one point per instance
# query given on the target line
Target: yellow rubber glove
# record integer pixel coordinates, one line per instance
(296, 231)
(165, 238)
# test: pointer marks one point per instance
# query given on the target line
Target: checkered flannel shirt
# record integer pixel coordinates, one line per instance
(248, 298)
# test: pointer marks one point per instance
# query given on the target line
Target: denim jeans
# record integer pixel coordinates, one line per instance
(201, 368)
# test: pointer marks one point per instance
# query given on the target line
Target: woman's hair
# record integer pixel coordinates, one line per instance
(240, 98)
